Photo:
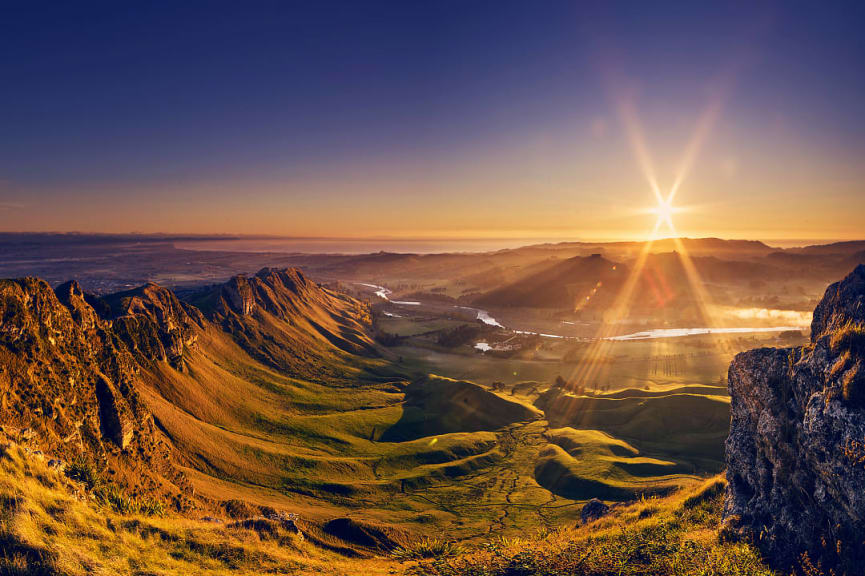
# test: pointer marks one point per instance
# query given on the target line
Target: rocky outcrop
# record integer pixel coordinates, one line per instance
(238, 296)
(843, 303)
(153, 322)
(115, 416)
(69, 380)
(80, 305)
(796, 450)
(284, 319)
(279, 292)
(54, 353)
(593, 510)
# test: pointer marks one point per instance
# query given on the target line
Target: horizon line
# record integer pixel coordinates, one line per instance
(531, 240)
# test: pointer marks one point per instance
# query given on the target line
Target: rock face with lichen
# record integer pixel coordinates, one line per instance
(796, 451)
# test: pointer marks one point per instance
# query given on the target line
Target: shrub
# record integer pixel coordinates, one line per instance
(850, 337)
(239, 509)
(151, 507)
(115, 498)
(427, 548)
(84, 471)
(118, 500)
(388, 339)
(458, 336)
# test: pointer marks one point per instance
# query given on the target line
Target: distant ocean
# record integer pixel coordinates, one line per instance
(400, 245)
(360, 246)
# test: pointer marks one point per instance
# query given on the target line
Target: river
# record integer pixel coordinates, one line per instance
(657, 333)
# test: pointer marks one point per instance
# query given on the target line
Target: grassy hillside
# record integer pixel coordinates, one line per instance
(685, 424)
(268, 394)
(678, 535)
(53, 525)
(583, 464)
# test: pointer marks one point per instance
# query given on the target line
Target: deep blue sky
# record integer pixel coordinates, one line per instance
(118, 115)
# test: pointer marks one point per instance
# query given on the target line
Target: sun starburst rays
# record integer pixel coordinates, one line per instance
(664, 211)
(587, 372)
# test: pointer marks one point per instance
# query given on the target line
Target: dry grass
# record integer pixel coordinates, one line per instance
(49, 525)
(850, 337)
(675, 536)
(427, 548)
(849, 343)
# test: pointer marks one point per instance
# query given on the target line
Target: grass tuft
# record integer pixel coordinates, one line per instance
(850, 337)
(707, 494)
(83, 470)
(427, 548)
(118, 500)
(849, 343)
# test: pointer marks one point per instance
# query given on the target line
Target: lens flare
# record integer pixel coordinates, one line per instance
(664, 211)
(587, 374)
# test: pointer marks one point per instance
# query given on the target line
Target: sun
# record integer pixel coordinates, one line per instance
(664, 211)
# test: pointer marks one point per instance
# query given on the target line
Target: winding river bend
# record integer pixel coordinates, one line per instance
(486, 318)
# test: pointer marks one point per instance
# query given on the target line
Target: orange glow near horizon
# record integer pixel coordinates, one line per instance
(587, 372)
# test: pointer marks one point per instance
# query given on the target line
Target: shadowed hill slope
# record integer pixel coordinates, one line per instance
(686, 426)
(439, 406)
(567, 284)
(593, 282)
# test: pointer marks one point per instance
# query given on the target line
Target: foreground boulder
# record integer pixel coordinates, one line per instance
(592, 510)
(796, 451)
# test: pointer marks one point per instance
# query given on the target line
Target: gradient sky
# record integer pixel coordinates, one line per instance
(431, 119)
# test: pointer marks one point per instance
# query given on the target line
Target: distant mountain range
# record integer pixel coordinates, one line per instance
(593, 282)
(105, 263)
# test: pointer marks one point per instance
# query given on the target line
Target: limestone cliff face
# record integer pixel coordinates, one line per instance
(796, 451)
(55, 352)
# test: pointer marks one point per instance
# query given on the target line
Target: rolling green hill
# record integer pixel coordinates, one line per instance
(268, 393)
